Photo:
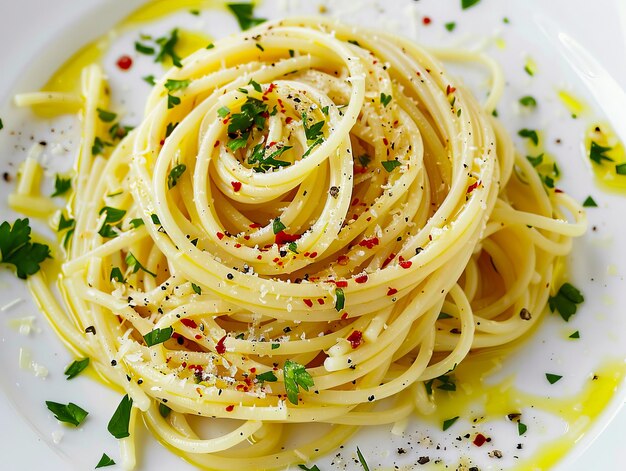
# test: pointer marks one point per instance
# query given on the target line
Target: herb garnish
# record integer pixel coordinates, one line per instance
(590, 203)
(131, 261)
(296, 376)
(98, 146)
(17, 249)
(149, 79)
(340, 299)
(278, 226)
(173, 85)
(164, 410)
(157, 336)
(389, 165)
(118, 425)
(450, 26)
(172, 101)
(449, 422)
(575, 335)
(596, 153)
(245, 15)
(65, 223)
(264, 163)
(116, 274)
(76, 368)
(112, 214)
(167, 48)
(268, 376)
(565, 301)
(528, 101)
(61, 185)
(106, 116)
(446, 384)
(530, 134)
(465, 4)
(385, 99)
(196, 288)
(521, 428)
(105, 461)
(535, 161)
(175, 174)
(362, 460)
(253, 114)
(552, 378)
(620, 169)
(313, 468)
(69, 413)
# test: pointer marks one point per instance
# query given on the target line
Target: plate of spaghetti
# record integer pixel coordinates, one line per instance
(316, 236)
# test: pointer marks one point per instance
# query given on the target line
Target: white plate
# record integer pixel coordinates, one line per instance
(51, 30)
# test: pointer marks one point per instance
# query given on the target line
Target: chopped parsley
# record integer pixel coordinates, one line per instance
(157, 336)
(535, 161)
(552, 378)
(65, 223)
(61, 185)
(575, 335)
(596, 153)
(565, 301)
(68, 413)
(521, 428)
(196, 289)
(362, 460)
(306, 468)
(116, 274)
(76, 368)
(223, 112)
(105, 461)
(149, 79)
(465, 4)
(112, 214)
(528, 101)
(529, 134)
(98, 146)
(449, 423)
(137, 222)
(106, 116)
(390, 165)
(268, 376)
(172, 101)
(175, 174)
(118, 425)
(364, 160)
(164, 410)
(314, 132)
(296, 376)
(144, 49)
(253, 114)
(17, 249)
(590, 203)
(450, 26)
(133, 263)
(278, 226)
(265, 163)
(340, 299)
(173, 85)
(446, 383)
(385, 99)
(167, 48)
(244, 12)
(620, 169)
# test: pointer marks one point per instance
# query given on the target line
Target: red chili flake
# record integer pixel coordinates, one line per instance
(238, 245)
(406, 264)
(197, 369)
(125, 62)
(313, 254)
(361, 278)
(282, 237)
(391, 291)
(556, 190)
(254, 225)
(450, 89)
(230, 408)
(308, 302)
(343, 260)
(479, 440)
(162, 141)
(344, 316)
(306, 254)
(246, 237)
(385, 141)
(320, 301)
(369, 243)
(276, 259)
(253, 370)
(189, 323)
(355, 338)
(220, 235)
(426, 20)
(288, 120)
(198, 336)
(220, 347)
(217, 143)
(341, 284)
(430, 237)
(259, 257)
(472, 187)
(226, 120)
(184, 364)
(355, 201)
(389, 259)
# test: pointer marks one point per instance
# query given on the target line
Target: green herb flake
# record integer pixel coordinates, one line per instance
(164, 410)
(565, 301)
(119, 423)
(529, 134)
(1, 124)
(268, 377)
(385, 99)
(552, 378)
(340, 299)
(116, 274)
(149, 79)
(173, 85)
(223, 112)
(465, 4)
(195, 12)
(450, 26)
(296, 376)
(575, 335)
(106, 116)
(306, 468)
(210, 46)
(75, 368)
(528, 101)
(196, 289)
(390, 165)
(65, 223)
(444, 315)
(596, 153)
(172, 101)
(17, 249)
(362, 460)
(278, 226)
(133, 263)
(158, 336)
(590, 203)
(61, 185)
(449, 422)
(244, 12)
(175, 174)
(137, 222)
(68, 413)
(98, 146)
(293, 247)
(521, 428)
(620, 169)
(364, 160)
(105, 461)
(167, 49)
(112, 214)
(275, 346)
(535, 161)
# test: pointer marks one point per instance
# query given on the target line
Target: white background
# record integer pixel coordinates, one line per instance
(40, 20)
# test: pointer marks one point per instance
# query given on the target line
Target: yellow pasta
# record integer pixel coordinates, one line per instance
(303, 200)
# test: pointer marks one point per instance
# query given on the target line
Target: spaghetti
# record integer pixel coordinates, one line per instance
(311, 222)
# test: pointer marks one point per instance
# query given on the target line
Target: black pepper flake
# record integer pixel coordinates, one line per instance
(90, 330)
(334, 191)
(401, 451)
(180, 340)
(474, 468)
(371, 398)
(418, 250)
(230, 276)
(6, 176)
(423, 460)
(113, 362)
(140, 381)
(525, 314)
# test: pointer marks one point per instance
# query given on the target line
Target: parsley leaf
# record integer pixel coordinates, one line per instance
(167, 48)
(313, 132)
(278, 226)
(296, 376)
(530, 134)
(175, 174)
(105, 461)
(575, 335)
(535, 161)
(449, 422)
(596, 153)
(620, 169)
(144, 49)
(521, 428)
(116, 274)
(16, 248)
(164, 410)
(552, 378)
(465, 4)
(306, 468)
(196, 289)
(268, 376)
(590, 203)
(172, 101)
(390, 165)
(565, 301)
(76, 368)
(98, 146)
(65, 223)
(385, 99)
(245, 15)
(157, 336)
(113, 214)
(265, 163)
(150, 79)
(223, 112)
(528, 101)
(131, 261)
(450, 26)
(362, 460)
(341, 299)
(61, 185)
(118, 425)
(173, 85)
(69, 413)
(106, 116)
